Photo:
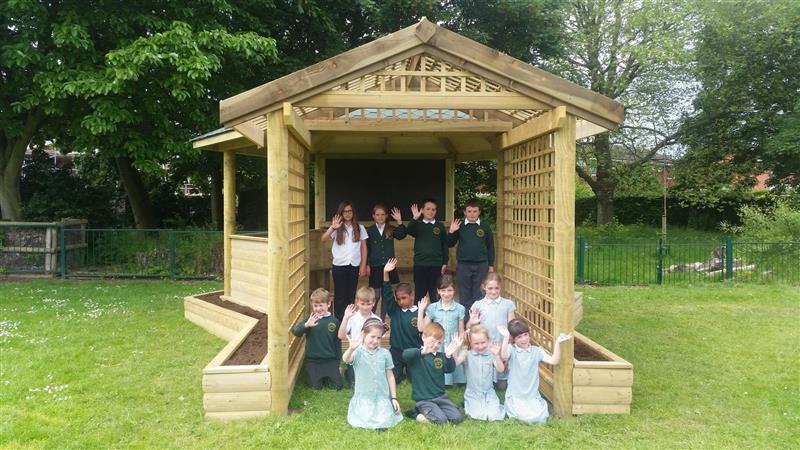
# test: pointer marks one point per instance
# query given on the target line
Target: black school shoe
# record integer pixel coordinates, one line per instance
(412, 413)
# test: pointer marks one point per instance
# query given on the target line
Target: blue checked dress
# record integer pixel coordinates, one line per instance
(448, 319)
(480, 399)
(523, 400)
(371, 405)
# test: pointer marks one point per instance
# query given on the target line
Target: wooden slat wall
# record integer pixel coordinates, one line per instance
(249, 279)
(298, 257)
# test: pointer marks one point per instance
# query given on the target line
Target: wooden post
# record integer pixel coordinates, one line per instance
(500, 213)
(449, 189)
(278, 261)
(319, 192)
(229, 211)
(563, 262)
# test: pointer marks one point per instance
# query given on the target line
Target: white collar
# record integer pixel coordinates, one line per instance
(477, 221)
(441, 305)
(429, 221)
(380, 227)
(521, 350)
(412, 309)
(328, 314)
(485, 353)
(497, 300)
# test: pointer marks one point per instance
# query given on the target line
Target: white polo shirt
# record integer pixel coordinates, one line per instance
(349, 253)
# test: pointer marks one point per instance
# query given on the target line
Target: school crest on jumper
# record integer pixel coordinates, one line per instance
(414, 322)
(438, 362)
(437, 231)
(479, 232)
(331, 327)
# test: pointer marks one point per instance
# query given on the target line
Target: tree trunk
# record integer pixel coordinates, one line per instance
(137, 196)
(605, 184)
(12, 154)
(216, 197)
(9, 195)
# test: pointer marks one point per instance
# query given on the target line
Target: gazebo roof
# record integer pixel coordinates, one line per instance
(439, 89)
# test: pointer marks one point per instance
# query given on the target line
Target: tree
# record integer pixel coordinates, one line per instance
(634, 52)
(747, 62)
(131, 80)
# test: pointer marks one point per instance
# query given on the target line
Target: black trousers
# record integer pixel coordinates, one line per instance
(345, 281)
(425, 280)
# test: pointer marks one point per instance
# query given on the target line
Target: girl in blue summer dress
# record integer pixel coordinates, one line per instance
(447, 313)
(374, 404)
(523, 401)
(481, 361)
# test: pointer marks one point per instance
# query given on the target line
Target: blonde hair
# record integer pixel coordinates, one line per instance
(493, 276)
(476, 329)
(320, 295)
(365, 294)
(434, 330)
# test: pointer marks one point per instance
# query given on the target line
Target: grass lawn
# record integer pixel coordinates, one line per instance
(108, 364)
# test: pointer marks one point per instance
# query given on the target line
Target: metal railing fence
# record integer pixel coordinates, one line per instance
(198, 254)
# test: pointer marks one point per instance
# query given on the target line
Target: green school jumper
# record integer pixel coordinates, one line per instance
(427, 373)
(475, 244)
(430, 244)
(322, 341)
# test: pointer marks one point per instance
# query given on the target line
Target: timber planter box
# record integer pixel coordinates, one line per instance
(602, 382)
(229, 391)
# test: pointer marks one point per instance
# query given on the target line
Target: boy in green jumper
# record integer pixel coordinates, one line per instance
(475, 254)
(401, 310)
(430, 249)
(323, 347)
(427, 368)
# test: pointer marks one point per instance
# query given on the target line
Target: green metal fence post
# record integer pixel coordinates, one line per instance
(728, 257)
(62, 242)
(171, 253)
(660, 262)
(581, 275)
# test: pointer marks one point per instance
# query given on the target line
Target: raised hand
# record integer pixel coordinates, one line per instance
(496, 347)
(503, 331)
(390, 265)
(354, 341)
(415, 212)
(396, 216)
(453, 346)
(350, 311)
(336, 222)
(563, 337)
(474, 316)
(424, 302)
(455, 225)
(312, 321)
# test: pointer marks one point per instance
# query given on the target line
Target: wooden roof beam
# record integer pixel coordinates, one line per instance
(544, 124)
(423, 100)
(452, 126)
(321, 76)
(252, 132)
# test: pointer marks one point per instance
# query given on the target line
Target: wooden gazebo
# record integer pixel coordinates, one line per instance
(422, 93)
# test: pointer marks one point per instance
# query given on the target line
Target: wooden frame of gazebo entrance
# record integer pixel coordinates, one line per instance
(422, 92)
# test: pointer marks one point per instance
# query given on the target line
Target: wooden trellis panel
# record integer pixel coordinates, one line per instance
(536, 215)
(528, 222)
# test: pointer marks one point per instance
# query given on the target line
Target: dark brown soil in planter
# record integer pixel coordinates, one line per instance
(254, 347)
(585, 353)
